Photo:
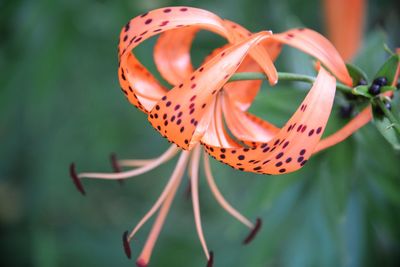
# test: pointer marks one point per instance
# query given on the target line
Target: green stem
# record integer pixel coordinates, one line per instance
(285, 76)
(389, 115)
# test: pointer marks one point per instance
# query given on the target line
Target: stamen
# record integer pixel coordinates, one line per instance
(127, 174)
(218, 196)
(114, 163)
(115, 166)
(127, 247)
(188, 191)
(144, 257)
(75, 179)
(253, 232)
(175, 179)
(141, 263)
(210, 261)
(194, 170)
(134, 162)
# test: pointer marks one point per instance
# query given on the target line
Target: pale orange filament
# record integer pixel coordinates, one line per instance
(144, 257)
(194, 170)
(220, 199)
(127, 174)
(174, 181)
(134, 162)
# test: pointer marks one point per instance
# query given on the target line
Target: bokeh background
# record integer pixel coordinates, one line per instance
(60, 102)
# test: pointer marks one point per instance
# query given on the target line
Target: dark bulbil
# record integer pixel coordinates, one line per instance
(381, 81)
(380, 112)
(375, 88)
(346, 111)
(362, 82)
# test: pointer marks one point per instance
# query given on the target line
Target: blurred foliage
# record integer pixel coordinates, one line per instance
(60, 101)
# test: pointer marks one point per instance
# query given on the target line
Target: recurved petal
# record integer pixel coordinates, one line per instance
(132, 75)
(172, 54)
(179, 115)
(245, 126)
(352, 126)
(319, 47)
(216, 133)
(290, 149)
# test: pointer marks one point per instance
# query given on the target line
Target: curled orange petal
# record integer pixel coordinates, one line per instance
(319, 47)
(179, 114)
(291, 147)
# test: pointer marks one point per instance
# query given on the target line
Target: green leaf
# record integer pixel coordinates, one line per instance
(389, 68)
(356, 73)
(362, 90)
(385, 127)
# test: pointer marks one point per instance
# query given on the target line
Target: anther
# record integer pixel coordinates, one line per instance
(75, 179)
(210, 261)
(253, 232)
(141, 263)
(127, 247)
(115, 166)
(188, 192)
(114, 163)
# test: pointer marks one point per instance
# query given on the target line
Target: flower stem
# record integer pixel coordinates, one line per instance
(389, 114)
(285, 76)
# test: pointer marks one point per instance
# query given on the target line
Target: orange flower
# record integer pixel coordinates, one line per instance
(192, 113)
(344, 22)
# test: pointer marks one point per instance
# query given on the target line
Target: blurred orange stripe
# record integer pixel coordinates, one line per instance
(344, 21)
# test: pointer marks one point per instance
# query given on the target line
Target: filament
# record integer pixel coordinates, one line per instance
(194, 170)
(144, 257)
(174, 181)
(218, 196)
(167, 155)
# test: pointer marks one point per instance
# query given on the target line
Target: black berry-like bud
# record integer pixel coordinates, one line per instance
(381, 81)
(388, 105)
(374, 89)
(362, 82)
(346, 111)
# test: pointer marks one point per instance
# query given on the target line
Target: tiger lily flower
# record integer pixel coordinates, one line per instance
(192, 114)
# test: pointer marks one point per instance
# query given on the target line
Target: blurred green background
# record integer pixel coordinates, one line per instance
(60, 102)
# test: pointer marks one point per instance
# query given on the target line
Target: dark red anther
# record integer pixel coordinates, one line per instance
(115, 166)
(114, 163)
(127, 247)
(210, 261)
(188, 191)
(141, 263)
(75, 179)
(253, 232)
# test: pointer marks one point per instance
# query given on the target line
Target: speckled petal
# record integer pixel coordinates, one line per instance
(290, 149)
(179, 114)
(319, 47)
